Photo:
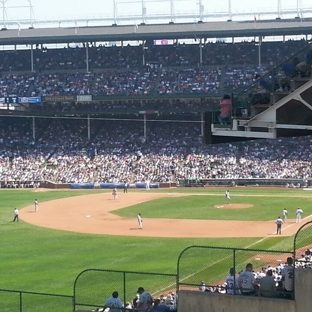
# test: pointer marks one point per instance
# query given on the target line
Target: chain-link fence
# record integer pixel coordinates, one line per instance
(196, 264)
(303, 246)
(92, 287)
(202, 266)
(20, 301)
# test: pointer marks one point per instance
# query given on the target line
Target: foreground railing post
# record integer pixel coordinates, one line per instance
(20, 298)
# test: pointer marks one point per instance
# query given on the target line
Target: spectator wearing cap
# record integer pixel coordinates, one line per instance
(226, 106)
(202, 286)
(145, 300)
(114, 303)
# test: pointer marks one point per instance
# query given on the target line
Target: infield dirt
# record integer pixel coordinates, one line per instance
(93, 214)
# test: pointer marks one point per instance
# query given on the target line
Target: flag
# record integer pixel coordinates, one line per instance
(76, 28)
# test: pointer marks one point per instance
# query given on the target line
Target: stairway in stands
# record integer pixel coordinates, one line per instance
(284, 113)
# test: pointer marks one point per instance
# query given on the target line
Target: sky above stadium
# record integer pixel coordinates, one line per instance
(74, 9)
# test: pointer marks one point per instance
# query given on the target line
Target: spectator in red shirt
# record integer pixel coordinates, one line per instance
(226, 105)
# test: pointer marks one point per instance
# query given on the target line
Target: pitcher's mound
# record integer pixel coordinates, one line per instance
(233, 206)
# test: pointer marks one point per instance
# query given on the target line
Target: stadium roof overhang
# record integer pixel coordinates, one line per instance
(159, 31)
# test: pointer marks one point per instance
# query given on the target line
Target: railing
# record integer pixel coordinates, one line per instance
(243, 101)
(23, 301)
(209, 266)
(93, 286)
(303, 246)
(194, 265)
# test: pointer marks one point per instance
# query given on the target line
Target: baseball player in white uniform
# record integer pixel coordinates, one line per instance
(16, 213)
(299, 212)
(147, 185)
(36, 205)
(140, 221)
(284, 214)
(227, 196)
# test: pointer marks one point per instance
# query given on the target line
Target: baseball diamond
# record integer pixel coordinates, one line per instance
(99, 209)
(147, 157)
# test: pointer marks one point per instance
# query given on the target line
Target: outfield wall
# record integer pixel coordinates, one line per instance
(286, 183)
(51, 185)
(291, 183)
(191, 301)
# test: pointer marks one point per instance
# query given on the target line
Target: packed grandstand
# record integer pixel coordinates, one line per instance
(120, 71)
(170, 145)
(172, 152)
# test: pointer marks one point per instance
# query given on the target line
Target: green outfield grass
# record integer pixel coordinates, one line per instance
(204, 207)
(44, 260)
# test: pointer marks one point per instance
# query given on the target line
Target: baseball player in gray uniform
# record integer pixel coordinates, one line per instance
(114, 193)
(279, 223)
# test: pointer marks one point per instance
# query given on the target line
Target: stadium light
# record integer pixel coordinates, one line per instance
(230, 11)
(5, 16)
(279, 9)
(299, 6)
(201, 10)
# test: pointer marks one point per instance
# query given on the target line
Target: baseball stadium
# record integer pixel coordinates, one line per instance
(164, 158)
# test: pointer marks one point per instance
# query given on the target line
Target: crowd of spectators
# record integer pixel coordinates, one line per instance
(131, 56)
(113, 82)
(190, 81)
(127, 82)
(128, 106)
(71, 150)
(272, 287)
(237, 78)
(143, 301)
(231, 283)
(65, 151)
(266, 281)
(172, 69)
